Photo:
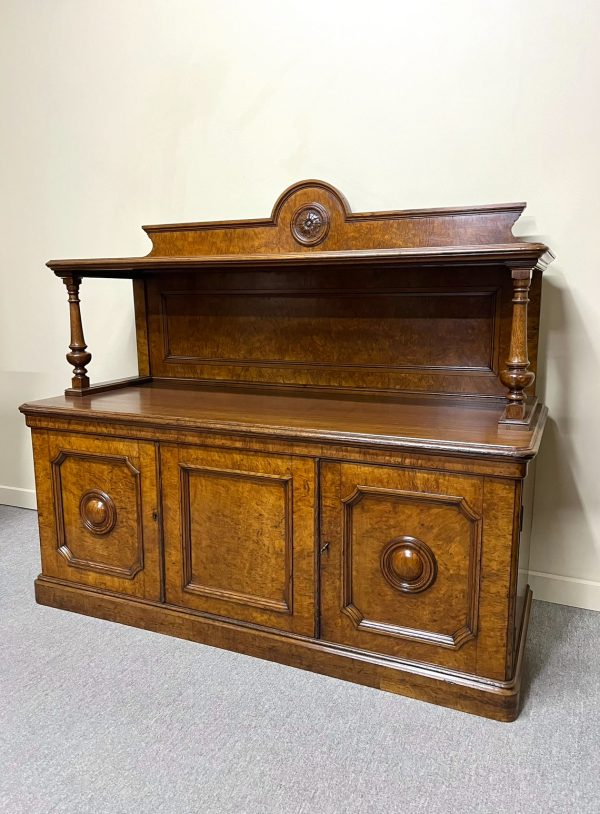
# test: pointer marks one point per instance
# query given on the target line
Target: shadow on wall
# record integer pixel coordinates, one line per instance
(563, 541)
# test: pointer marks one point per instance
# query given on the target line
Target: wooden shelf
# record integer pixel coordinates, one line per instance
(453, 425)
(536, 254)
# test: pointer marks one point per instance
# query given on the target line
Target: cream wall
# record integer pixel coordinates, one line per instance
(116, 114)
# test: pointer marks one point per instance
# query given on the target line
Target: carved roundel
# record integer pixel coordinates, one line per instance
(98, 512)
(310, 224)
(409, 565)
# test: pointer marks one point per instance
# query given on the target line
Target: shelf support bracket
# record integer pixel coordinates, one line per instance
(516, 376)
(78, 355)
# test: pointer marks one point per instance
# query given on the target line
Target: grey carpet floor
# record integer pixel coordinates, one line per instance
(101, 718)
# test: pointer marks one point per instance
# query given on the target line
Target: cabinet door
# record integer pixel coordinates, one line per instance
(240, 535)
(97, 506)
(400, 567)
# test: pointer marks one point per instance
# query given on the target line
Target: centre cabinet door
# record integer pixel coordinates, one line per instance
(240, 535)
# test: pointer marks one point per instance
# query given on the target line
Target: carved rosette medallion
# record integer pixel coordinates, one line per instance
(409, 565)
(98, 512)
(310, 224)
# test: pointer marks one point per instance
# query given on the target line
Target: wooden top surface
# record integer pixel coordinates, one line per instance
(436, 424)
(311, 223)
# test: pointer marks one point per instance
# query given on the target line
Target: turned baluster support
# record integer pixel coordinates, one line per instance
(78, 356)
(516, 375)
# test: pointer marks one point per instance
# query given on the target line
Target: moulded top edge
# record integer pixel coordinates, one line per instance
(517, 253)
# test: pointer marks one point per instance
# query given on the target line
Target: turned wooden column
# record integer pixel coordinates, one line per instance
(516, 375)
(78, 356)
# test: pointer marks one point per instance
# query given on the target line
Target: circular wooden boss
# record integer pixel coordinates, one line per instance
(409, 565)
(97, 511)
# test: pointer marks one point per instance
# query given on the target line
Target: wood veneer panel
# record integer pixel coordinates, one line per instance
(369, 513)
(320, 328)
(98, 512)
(344, 230)
(367, 328)
(240, 535)
(501, 507)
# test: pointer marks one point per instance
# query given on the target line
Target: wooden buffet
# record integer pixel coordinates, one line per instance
(323, 460)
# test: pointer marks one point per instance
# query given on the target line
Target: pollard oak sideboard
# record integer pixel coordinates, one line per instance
(323, 460)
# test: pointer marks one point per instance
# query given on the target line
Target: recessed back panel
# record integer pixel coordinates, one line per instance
(367, 329)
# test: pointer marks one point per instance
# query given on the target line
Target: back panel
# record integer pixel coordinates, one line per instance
(432, 330)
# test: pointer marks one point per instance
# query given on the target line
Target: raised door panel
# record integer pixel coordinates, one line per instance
(239, 535)
(98, 510)
(401, 562)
